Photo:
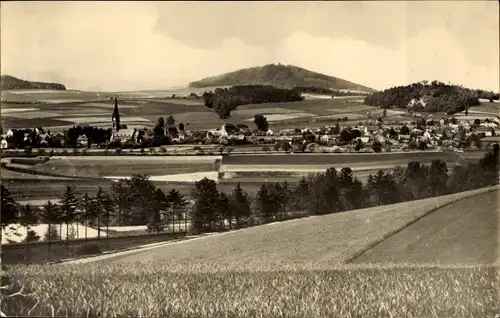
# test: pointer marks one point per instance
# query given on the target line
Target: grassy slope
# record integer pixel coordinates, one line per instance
(278, 75)
(330, 239)
(463, 231)
(248, 274)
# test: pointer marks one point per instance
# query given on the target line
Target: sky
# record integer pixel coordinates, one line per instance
(113, 46)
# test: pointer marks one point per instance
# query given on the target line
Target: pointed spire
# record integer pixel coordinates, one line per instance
(116, 115)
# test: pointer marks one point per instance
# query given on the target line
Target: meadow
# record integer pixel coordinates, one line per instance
(295, 268)
(98, 166)
(456, 230)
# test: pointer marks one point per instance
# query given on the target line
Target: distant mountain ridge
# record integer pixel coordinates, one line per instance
(280, 76)
(11, 82)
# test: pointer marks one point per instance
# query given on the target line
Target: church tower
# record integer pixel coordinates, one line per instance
(115, 119)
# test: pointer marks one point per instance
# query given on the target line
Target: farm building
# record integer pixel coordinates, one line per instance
(3, 144)
(82, 141)
(124, 134)
(404, 137)
(364, 139)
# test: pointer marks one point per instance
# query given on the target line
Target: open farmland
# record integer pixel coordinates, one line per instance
(292, 268)
(46, 188)
(467, 230)
(144, 108)
(486, 107)
(100, 166)
(334, 238)
(180, 172)
(339, 159)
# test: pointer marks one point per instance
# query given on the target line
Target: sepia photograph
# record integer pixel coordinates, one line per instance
(250, 159)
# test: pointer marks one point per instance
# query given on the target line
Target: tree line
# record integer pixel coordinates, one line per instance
(439, 97)
(134, 201)
(224, 100)
(138, 202)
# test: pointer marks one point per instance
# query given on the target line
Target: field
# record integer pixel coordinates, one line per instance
(339, 159)
(294, 268)
(97, 166)
(144, 108)
(457, 230)
(181, 172)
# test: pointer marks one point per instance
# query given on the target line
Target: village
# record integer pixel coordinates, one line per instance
(372, 135)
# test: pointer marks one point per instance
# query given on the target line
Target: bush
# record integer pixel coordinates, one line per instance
(377, 146)
(89, 249)
(32, 236)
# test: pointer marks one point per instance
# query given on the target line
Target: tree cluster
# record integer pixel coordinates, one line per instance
(326, 91)
(95, 135)
(224, 100)
(130, 202)
(438, 97)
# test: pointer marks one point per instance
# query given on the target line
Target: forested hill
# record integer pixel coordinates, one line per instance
(280, 76)
(11, 82)
(430, 97)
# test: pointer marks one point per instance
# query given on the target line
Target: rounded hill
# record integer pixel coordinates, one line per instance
(11, 82)
(278, 75)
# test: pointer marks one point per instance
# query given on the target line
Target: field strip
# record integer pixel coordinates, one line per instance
(181, 177)
(374, 154)
(142, 248)
(158, 159)
(455, 198)
(304, 168)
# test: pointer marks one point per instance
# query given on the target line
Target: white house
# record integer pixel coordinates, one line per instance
(427, 135)
(10, 133)
(364, 139)
(124, 134)
(82, 140)
(269, 132)
(220, 133)
(325, 138)
(3, 144)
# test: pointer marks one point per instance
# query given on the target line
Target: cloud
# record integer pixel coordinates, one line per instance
(431, 54)
(141, 45)
(206, 24)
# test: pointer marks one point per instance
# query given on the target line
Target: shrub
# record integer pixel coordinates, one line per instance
(89, 249)
(32, 236)
(377, 146)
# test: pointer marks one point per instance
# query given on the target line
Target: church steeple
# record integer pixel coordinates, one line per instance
(115, 117)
